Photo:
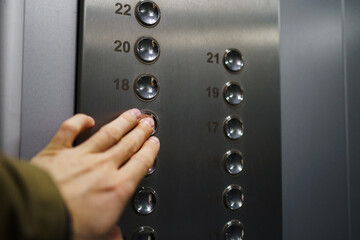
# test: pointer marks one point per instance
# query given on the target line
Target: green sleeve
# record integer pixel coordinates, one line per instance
(31, 206)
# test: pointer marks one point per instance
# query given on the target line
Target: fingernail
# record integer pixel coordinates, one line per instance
(136, 112)
(154, 140)
(149, 121)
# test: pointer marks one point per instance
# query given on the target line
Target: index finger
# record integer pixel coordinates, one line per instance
(111, 133)
(138, 165)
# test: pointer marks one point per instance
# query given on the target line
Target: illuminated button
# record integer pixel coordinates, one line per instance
(233, 60)
(233, 127)
(146, 87)
(147, 50)
(145, 233)
(145, 200)
(156, 119)
(148, 13)
(153, 168)
(233, 94)
(233, 162)
(234, 230)
(233, 197)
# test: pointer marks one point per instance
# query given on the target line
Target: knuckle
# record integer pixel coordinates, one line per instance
(67, 126)
(129, 144)
(145, 129)
(144, 161)
(110, 133)
(128, 118)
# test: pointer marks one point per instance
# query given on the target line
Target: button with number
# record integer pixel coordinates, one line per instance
(148, 13)
(145, 200)
(146, 87)
(156, 119)
(233, 162)
(233, 94)
(233, 197)
(234, 230)
(145, 233)
(147, 50)
(233, 128)
(233, 60)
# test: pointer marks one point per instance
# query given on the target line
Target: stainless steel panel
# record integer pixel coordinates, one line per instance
(351, 55)
(315, 204)
(11, 59)
(48, 89)
(190, 178)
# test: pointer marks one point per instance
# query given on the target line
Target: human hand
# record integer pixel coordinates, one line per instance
(97, 177)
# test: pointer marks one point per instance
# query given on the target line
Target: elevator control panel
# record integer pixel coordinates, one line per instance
(207, 71)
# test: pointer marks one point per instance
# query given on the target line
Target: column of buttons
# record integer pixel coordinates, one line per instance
(146, 87)
(233, 127)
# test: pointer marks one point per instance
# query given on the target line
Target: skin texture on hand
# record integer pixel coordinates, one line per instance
(97, 177)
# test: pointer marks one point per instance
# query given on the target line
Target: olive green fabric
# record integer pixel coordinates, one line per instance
(31, 206)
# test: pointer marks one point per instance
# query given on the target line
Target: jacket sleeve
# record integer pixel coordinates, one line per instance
(31, 206)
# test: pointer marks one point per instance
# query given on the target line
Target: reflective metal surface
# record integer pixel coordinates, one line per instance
(147, 49)
(190, 178)
(233, 127)
(233, 197)
(155, 118)
(146, 87)
(233, 93)
(148, 13)
(145, 200)
(145, 233)
(233, 60)
(233, 230)
(153, 168)
(233, 162)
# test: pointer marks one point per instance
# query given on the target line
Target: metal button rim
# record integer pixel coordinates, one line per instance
(231, 151)
(242, 59)
(138, 18)
(228, 189)
(143, 229)
(155, 117)
(227, 119)
(145, 189)
(138, 96)
(233, 222)
(228, 84)
(152, 170)
(137, 54)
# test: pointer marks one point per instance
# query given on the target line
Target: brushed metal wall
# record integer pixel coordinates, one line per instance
(190, 178)
(319, 180)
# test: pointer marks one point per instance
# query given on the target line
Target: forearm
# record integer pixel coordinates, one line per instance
(31, 206)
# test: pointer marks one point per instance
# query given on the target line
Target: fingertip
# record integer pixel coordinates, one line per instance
(136, 113)
(155, 140)
(149, 121)
(91, 121)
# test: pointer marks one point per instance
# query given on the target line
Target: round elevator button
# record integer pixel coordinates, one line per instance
(233, 162)
(147, 13)
(234, 230)
(147, 50)
(233, 128)
(233, 94)
(145, 233)
(233, 197)
(146, 87)
(145, 200)
(233, 60)
(156, 119)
